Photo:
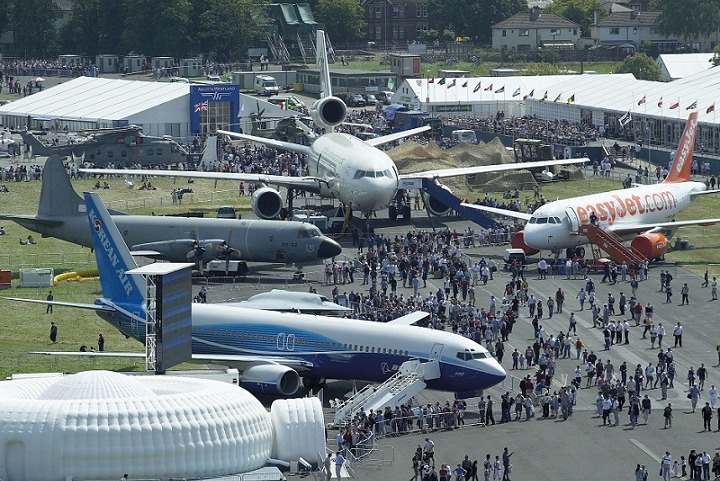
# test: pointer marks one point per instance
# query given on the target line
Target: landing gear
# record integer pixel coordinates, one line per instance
(575, 252)
(311, 382)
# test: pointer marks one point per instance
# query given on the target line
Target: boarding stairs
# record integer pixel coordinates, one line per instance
(398, 389)
(446, 197)
(277, 48)
(607, 241)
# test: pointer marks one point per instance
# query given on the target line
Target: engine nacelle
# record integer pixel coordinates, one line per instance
(267, 203)
(328, 112)
(271, 379)
(651, 245)
(435, 206)
(517, 241)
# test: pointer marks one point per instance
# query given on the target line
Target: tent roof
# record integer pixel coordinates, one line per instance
(89, 98)
(679, 65)
(609, 92)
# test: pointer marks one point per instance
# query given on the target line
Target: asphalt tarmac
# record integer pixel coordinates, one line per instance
(550, 449)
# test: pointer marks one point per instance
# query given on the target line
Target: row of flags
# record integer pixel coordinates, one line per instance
(570, 100)
(692, 106)
(500, 90)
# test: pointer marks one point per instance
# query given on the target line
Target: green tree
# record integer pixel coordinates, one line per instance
(541, 69)
(33, 25)
(229, 27)
(343, 19)
(159, 27)
(715, 60)
(642, 67)
(4, 17)
(472, 18)
(578, 11)
(688, 19)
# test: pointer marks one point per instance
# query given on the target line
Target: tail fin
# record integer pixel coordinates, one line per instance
(37, 147)
(113, 257)
(682, 164)
(322, 61)
(57, 196)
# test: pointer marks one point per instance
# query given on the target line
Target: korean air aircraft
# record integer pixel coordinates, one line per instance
(274, 350)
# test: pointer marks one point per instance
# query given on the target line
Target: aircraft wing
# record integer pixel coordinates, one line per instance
(397, 136)
(647, 228)
(78, 305)
(309, 184)
(217, 358)
(278, 144)
(494, 210)
(481, 169)
(410, 319)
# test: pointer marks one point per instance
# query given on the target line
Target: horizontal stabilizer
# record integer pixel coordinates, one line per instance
(396, 136)
(715, 191)
(410, 319)
(78, 305)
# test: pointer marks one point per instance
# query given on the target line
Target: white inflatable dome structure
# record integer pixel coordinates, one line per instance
(99, 425)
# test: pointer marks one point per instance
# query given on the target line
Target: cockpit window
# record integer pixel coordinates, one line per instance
(533, 220)
(359, 174)
(303, 234)
(314, 231)
(468, 355)
(542, 220)
(551, 220)
(557, 220)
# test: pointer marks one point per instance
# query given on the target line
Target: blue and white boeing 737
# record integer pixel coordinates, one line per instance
(275, 349)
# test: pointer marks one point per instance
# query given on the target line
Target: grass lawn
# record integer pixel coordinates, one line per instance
(25, 327)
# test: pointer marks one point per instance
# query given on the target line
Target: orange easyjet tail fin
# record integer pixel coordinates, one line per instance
(682, 164)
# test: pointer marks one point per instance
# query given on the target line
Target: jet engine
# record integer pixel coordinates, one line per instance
(435, 206)
(271, 379)
(517, 241)
(328, 112)
(651, 246)
(267, 203)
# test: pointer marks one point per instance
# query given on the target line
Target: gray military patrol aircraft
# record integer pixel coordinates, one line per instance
(61, 214)
(123, 145)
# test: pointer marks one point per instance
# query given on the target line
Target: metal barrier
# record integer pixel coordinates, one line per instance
(47, 259)
(166, 200)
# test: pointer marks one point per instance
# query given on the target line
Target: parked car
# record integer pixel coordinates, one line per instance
(356, 100)
(370, 99)
(385, 96)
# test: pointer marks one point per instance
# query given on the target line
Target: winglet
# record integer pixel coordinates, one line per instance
(322, 61)
(112, 256)
(682, 164)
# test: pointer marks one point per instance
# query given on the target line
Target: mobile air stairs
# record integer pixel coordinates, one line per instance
(446, 197)
(398, 389)
(610, 243)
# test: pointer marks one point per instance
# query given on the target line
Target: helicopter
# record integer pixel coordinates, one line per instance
(119, 145)
(288, 129)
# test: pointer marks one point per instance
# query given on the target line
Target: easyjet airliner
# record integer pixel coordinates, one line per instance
(645, 214)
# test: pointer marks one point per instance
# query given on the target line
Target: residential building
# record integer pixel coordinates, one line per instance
(535, 30)
(391, 23)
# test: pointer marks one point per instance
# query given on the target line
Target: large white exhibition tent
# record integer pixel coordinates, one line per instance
(679, 65)
(93, 102)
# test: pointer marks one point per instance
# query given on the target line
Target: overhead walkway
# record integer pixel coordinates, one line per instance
(607, 241)
(450, 200)
(398, 389)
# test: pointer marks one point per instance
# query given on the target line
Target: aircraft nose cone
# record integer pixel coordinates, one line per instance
(329, 248)
(495, 372)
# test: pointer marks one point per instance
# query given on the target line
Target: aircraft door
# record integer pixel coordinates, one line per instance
(573, 218)
(290, 345)
(435, 352)
(280, 341)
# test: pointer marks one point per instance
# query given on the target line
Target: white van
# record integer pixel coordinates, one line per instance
(466, 136)
(266, 85)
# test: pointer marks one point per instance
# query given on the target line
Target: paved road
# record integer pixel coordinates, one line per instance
(551, 449)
